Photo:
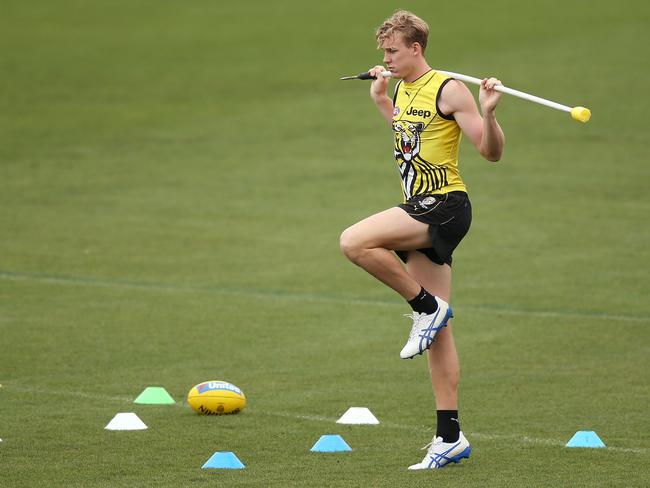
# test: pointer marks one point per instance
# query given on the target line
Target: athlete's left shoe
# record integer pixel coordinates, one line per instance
(425, 329)
(440, 453)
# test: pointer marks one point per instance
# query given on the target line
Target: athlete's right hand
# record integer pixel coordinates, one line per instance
(379, 85)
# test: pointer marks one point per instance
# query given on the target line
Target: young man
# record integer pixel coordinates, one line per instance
(427, 113)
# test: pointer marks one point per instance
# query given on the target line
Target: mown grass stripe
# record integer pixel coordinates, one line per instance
(516, 438)
(301, 297)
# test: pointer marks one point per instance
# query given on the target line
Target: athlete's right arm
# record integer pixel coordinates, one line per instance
(378, 94)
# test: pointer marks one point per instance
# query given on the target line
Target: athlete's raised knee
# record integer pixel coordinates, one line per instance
(351, 244)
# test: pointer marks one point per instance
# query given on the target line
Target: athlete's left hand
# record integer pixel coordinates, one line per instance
(488, 97)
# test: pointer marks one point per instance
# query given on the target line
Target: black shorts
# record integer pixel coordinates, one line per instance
(449, 216)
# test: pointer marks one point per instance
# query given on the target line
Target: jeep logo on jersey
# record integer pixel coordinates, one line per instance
(419, 112)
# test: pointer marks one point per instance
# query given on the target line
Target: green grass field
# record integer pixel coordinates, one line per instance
(174, 177)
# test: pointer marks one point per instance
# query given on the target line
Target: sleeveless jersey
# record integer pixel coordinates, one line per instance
(426, 141)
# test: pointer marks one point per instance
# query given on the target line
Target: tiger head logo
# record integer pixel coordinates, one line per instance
(407, 139)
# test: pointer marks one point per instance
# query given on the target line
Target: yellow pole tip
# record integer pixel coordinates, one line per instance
(581, 114)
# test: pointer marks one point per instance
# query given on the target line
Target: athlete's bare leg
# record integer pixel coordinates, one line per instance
(367, 245)
(444, 366)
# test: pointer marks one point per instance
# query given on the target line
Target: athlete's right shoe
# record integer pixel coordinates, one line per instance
(425, 329)
(441, 453)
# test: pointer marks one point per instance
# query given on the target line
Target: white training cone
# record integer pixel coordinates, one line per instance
(358, 415)
(126, 421)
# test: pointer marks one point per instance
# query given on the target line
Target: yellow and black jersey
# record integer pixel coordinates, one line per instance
(426, 141)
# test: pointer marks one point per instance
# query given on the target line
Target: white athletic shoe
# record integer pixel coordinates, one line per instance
(425, 328)
(442, 453)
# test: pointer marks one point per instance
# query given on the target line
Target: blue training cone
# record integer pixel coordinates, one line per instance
(330, 443)
(585, 438)
(223, 460)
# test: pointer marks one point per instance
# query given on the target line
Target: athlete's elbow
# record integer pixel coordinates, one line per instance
(492, 156)
(492, 150)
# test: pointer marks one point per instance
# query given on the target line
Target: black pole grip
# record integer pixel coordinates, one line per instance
(366, 76)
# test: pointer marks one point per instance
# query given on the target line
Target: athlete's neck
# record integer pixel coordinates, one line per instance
(417, 72)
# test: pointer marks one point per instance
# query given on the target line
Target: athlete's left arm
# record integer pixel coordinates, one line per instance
(484, 132)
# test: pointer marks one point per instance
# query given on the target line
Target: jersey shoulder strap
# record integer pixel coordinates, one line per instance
(443, 115)
(395, 94)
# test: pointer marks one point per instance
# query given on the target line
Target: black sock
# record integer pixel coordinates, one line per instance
(424, 302)
(448, 425)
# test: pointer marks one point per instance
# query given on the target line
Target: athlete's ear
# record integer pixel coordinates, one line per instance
(416, 48)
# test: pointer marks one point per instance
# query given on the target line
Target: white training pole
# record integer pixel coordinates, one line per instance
(581, 114)
(499, 88)
(509, 91)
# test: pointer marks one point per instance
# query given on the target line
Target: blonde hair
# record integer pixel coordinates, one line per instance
(412, 28)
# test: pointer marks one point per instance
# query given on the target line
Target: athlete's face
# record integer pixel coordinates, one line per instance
(399, 58)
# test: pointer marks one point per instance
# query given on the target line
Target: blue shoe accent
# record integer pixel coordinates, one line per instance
(440, 453)
(425, 329)
(462, 455)
(450, 314)
(425, 334)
